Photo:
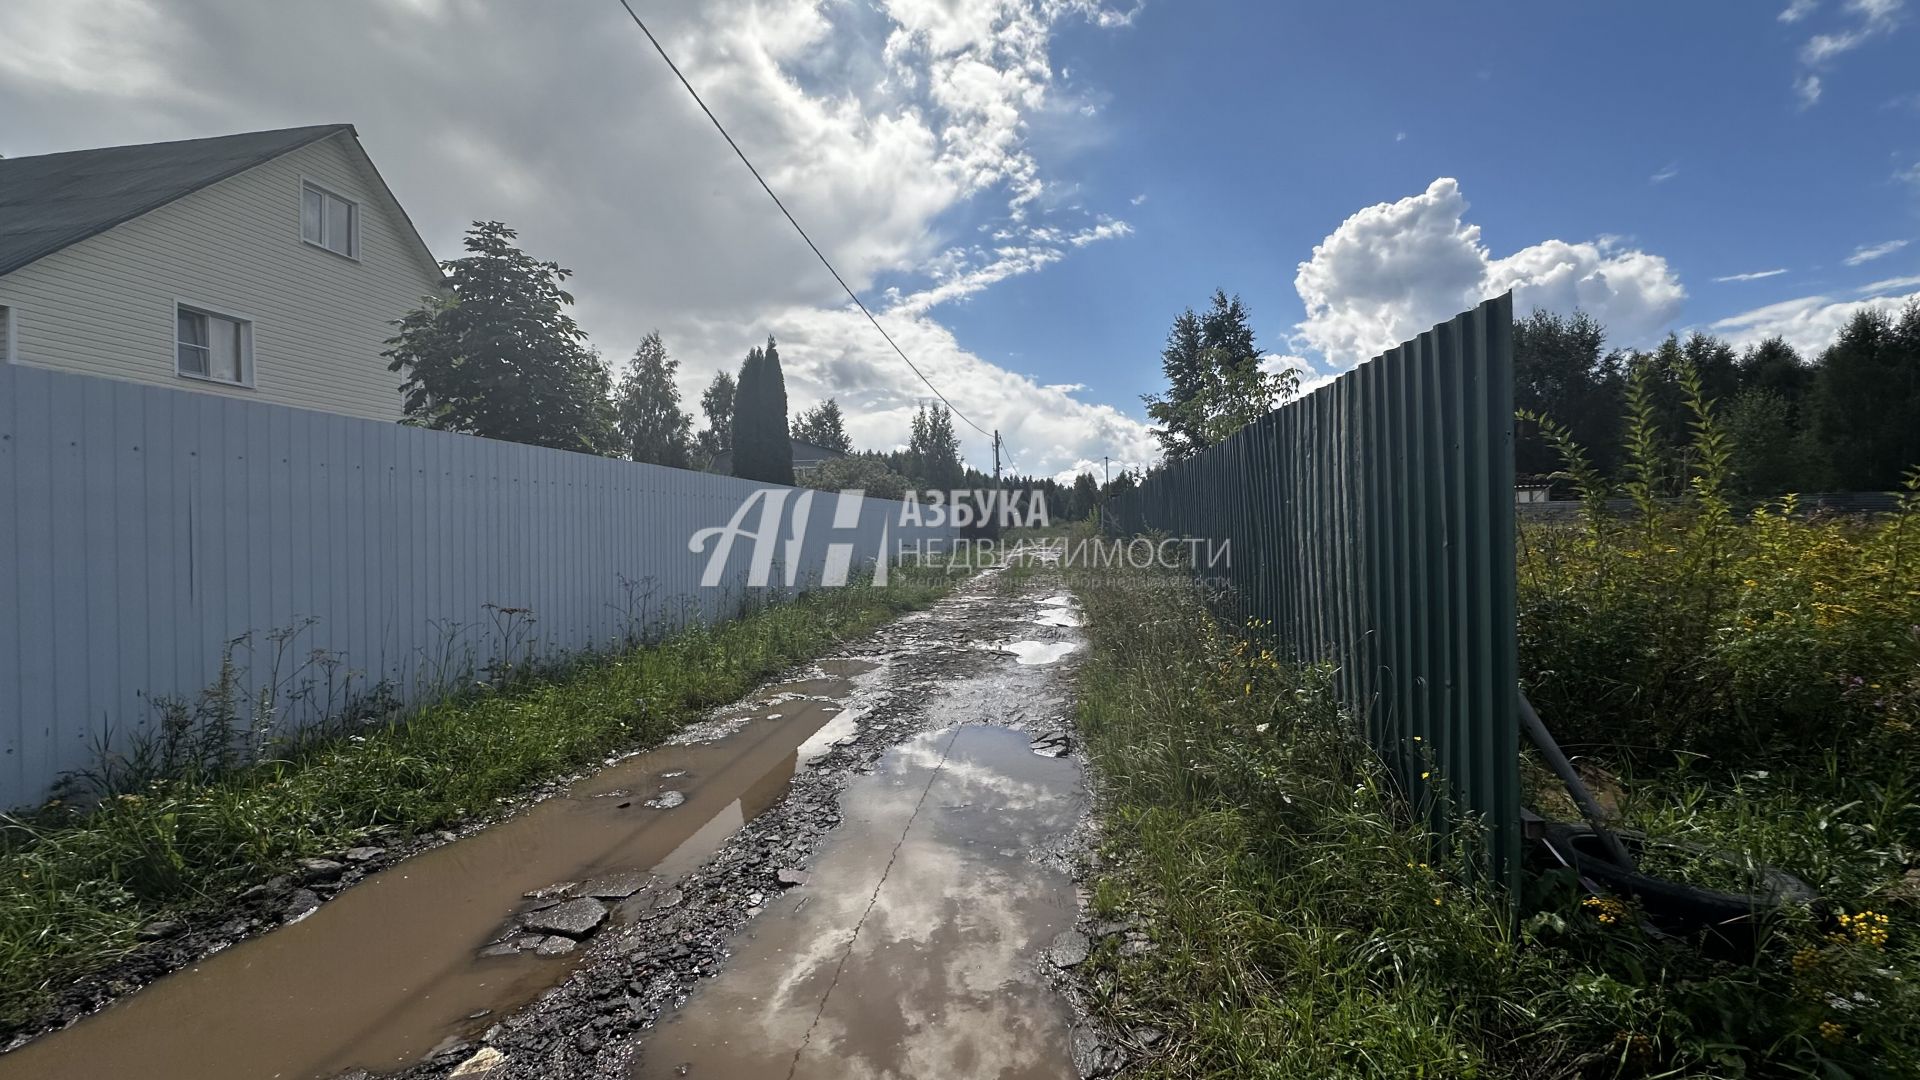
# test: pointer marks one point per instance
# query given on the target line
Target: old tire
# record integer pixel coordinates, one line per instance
(1675, 906)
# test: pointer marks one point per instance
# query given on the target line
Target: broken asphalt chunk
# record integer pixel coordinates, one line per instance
(574, 919)
(615, 886)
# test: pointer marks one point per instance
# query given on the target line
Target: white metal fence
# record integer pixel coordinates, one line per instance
(144, 528)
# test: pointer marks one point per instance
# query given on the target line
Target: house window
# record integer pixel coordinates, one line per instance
(6, 334)
(218, 348)
(329, 221)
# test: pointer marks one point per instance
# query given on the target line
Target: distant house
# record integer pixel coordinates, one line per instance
(1529, 488)
(268, 265)
(806, 458)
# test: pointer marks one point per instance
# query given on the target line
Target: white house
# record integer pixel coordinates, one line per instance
(268, 265)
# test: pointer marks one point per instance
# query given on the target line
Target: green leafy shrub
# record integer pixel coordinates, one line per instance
(1686, 627)
(1301, 923)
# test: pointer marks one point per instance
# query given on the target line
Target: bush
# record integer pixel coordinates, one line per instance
(1303, 924)
(1688, 628)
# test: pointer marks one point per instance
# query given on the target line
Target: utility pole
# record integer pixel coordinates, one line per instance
(996, 457)
(1100, 508)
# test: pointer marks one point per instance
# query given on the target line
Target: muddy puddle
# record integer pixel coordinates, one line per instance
(383, 973)
(914, 950)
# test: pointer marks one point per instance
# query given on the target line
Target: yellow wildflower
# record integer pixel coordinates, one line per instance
(1866, 928)
(1605, 910)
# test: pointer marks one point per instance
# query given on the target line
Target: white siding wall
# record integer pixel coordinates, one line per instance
(105, 306)
(142, 528)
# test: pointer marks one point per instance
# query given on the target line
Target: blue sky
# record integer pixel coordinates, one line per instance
(1028, 191)
(1254, 130)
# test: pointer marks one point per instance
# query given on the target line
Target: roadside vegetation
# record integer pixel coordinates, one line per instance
(79, 878)
(1305, 926)
(1745, 680)
(1734, 675)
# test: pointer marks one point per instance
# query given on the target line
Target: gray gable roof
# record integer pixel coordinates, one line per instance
(52, 201)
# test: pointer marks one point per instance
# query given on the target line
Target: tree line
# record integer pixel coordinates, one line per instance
(1846, 418)
(499, 356)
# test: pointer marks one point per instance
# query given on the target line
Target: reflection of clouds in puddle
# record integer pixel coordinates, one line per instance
(694, 849)
(1058, 601)
(1056, 616)
(843, 728)
(939, 980)
(1037, 652)
(978, 780)
(966, 921)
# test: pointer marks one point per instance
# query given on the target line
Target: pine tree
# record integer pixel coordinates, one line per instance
(823, 425)
(1215, 385)
(647, 408)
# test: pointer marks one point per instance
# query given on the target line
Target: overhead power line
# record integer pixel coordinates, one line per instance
(657, 47)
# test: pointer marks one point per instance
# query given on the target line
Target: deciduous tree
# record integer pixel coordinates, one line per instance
(647, 408)
(500, 357)
(716, 403)
(1866, 399)
(933, 450)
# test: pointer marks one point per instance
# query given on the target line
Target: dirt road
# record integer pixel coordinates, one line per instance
(856, 872)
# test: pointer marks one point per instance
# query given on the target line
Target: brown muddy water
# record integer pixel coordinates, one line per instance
(915, 948)
(390, 968)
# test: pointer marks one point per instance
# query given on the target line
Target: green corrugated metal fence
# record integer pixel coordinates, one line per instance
(1372, 522)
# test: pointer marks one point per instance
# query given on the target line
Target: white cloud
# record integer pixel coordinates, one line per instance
(1399, 136)
(1869, 252)
(886, 128)
(1887, 285)
(1392, 270)
(1823, 47)
(1876, 12)
(1672, 170)
(1754, 275)
(1103, 231)
(958, 274)
(1808, 323)
(831, 352)
(1873, 18)
(1138, 199)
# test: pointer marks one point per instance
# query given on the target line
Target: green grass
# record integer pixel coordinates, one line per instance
(76, 883)
(1300, 931)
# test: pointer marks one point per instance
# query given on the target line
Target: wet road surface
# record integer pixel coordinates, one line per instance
(391, 967)
(901, 776)
(914, 951)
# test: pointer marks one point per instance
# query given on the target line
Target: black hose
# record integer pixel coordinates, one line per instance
(1543, 741)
